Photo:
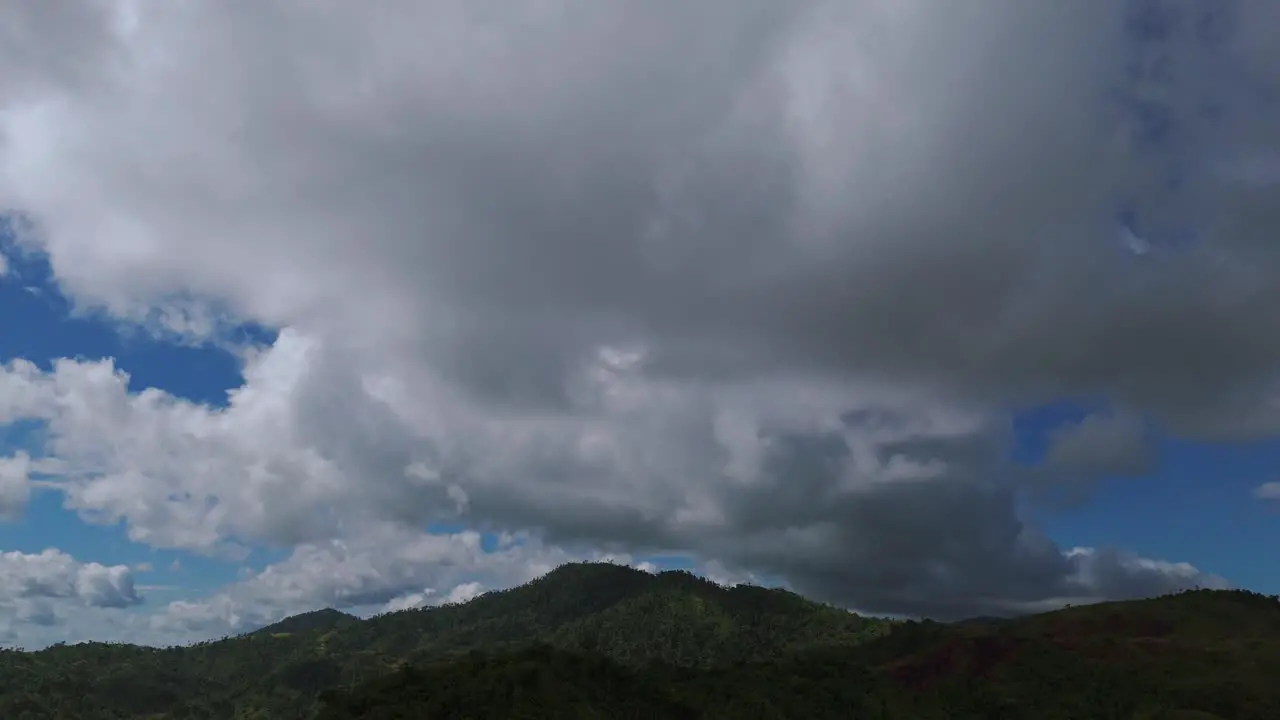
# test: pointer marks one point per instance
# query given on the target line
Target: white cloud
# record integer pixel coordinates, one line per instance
(164, 464)
(50, 596)
(463, 592)
(54, 574)
(380, 568)
(717, 573)
(409, 601)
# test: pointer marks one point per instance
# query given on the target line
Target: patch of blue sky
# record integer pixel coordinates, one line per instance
(38, 324)
(1196, 505)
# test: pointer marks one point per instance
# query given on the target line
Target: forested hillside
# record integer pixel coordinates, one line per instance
(602, 641)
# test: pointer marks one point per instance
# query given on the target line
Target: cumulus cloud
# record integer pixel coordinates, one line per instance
(55, 574)
(411, 601)
(462, 593)
(754, 281)
(385, 568)
(51, 596)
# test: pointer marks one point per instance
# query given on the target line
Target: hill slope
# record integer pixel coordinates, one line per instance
(1192, 656)
(625, 614)
(601, 641)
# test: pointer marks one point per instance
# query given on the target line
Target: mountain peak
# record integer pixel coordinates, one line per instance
(321, 620)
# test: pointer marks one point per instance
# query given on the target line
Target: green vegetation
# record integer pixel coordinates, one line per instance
(601, 641)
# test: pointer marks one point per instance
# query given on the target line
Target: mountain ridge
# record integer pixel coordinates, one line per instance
(594, 640)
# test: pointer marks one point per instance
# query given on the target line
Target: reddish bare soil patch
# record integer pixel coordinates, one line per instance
(976, 657)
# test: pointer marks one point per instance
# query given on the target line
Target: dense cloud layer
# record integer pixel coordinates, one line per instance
(757, 281)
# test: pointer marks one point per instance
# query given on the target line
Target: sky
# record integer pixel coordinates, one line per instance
(919, 308)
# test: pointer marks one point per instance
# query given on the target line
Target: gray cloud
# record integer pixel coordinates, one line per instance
(1079, 456)
(37, 612)
(71, 63)
(541, 215)
(1101, 445)
(756, 281)
(15, 485)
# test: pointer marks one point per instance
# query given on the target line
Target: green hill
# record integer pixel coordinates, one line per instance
(603, 641)
(279, 671)
(1198, 655)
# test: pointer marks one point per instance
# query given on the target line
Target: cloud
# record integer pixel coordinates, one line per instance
(1118, 574)
(1267, 491)
(15, 485)
(462, 593)
(1080, 455)
(1102, 445)
(55, 574)
(826, 161)
(163, 464)
(409, 602)
(753, 281)
(887, 508)
(383, 568)
(35, 611)
(35, 623)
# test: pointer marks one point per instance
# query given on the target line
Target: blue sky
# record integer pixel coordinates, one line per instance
(1197, 506)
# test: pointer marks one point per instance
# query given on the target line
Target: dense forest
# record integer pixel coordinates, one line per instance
(604, 641)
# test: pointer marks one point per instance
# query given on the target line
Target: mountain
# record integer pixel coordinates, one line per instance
(603, 641)
(279, 671)
(1200, 655)
(315, 621)
(629, 615)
